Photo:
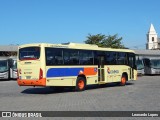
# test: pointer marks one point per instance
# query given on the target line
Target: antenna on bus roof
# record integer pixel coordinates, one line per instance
(69, 43)
(65, 43)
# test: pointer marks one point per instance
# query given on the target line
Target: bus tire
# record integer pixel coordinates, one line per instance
(80, 84)
(123, 80)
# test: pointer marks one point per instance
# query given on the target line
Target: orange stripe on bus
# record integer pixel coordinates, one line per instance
(41, 82)
(90, 71)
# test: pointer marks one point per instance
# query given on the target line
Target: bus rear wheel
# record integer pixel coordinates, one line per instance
(80, 84)
(123, 80)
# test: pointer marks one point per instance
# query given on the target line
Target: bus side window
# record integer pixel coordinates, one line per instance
(85, 57)
(110, 58)
(54, 56)
(96, 55)
(130, 61)
(121, 58)
(70, 57)
(131, 58)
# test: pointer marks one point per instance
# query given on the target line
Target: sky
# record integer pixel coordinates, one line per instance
(62, 21)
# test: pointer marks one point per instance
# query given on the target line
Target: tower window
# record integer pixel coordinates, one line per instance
(152, 38)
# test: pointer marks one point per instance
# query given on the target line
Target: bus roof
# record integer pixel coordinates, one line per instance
(75, 46)
(9, 48)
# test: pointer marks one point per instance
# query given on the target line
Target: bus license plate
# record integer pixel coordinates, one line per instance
(28, 77)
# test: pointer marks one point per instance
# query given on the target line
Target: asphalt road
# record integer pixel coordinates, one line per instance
(140, 95)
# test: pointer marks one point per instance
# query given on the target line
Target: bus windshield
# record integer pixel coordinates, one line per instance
(14, 65)
(139, 64)
(3, 65)
(29, 53)
(155, 64)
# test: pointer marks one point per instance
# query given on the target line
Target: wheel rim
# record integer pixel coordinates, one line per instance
(123, 80)
(80, 84)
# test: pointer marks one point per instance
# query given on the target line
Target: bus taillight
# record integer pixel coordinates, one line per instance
(40, 74)
(18, 72)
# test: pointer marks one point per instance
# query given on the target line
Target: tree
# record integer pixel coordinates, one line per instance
(105, 41)
(8, 53)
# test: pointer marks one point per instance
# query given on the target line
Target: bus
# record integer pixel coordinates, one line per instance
(8, 68)
(140, 67)
(4, 68)
(151, 66)
(13, 68)
(73, 65)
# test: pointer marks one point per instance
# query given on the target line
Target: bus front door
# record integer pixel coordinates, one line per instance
(131, 64)
(101, 68)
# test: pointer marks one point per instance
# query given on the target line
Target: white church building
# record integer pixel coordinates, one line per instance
(153, 42)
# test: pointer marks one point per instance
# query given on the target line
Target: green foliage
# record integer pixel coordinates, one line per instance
(105, 41)
(7, 53)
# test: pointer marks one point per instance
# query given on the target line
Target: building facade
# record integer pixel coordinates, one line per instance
(8, 50)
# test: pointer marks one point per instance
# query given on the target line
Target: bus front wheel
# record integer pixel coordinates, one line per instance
(80, 84)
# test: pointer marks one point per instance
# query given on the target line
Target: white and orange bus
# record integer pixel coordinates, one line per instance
(76, 65)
